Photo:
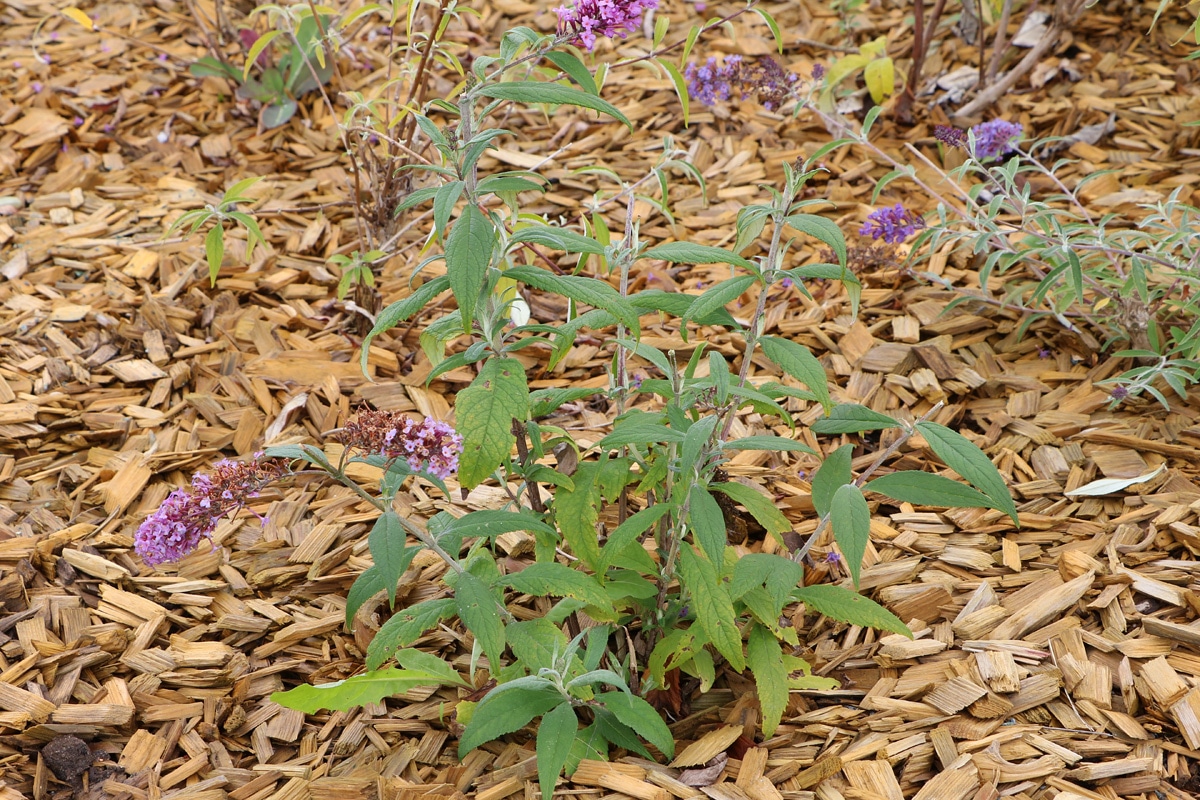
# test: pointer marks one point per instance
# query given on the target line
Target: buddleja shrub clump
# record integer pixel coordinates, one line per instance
(1131, 281)
(664, 581)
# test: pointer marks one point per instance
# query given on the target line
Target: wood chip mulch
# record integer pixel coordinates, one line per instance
(1057, 661)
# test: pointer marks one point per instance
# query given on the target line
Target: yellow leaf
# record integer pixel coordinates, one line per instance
(843, 68)
(880, 76)
(875, 48)
(77, 16)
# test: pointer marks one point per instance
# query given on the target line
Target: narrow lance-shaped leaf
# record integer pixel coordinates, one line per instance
(796, 360)
(833, 473)
(765, 659)
(927, 489)
(468, 253)
(390, 550)
(851, 519)
(553, 93)
(850, 418)
(555, 737)
(840, 603)
(969, 461)
(370, 687)
(477, 609)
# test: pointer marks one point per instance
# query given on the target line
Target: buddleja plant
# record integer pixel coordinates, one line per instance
(661, 594)
(665, 575)
(1132, 281)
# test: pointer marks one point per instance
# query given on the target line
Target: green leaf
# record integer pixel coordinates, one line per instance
(559, 238)
(579, 73)
(760, 506)
(443, 205)
(468, 254)
(838, 602)
(772, 443)
(822, 229)
(490, 523)
(619, 734)
(575, 512)
(707, 522)
(508, 183)
(670, 651)
(716, 297)
(401, 310)
(927, 489)
(591, 291)
(420, 661)
(765, 660)
(504, 712)
(405, 627)
(370, 687)
(214, 251)
(389, 548)
(639, 432)
(796, 360)
(551, 578)
(369, 583)
(693, 445)
(535, 643)
(651, 354)
(477, 609)
(969, 461)
(851, 520)
(555, 737)
(484, 412)
(676, 304)
(833, 473)
(775, 33)
(628, 532)
(714, 608)
(635, 712)
(590, 744)
(850, 418)
(554, 93)
(777, 574)
(690, 253)
(681, 87)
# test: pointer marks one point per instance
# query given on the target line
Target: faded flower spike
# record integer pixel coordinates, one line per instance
(893, 225)
(764, 78)
(950, 135)
(431, 445)
(187, 516)
(995, 138)
(588, 19)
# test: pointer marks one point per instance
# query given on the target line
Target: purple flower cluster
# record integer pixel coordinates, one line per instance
(893, 225)
(763, 77)
(588, 19)
(710, 83)
(187, 516)
(430, 444)
(994, 138)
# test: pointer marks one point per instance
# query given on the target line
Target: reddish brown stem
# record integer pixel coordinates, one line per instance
(922, 36)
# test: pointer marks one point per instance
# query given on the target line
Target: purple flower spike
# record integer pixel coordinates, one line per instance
(589, 19)
(950, 136)
(893, 225)
(818, 72)
(431, 445)
(186, 517)
(995, 138)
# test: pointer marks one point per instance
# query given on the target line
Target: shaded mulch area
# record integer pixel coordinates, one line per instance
(1057, 660)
